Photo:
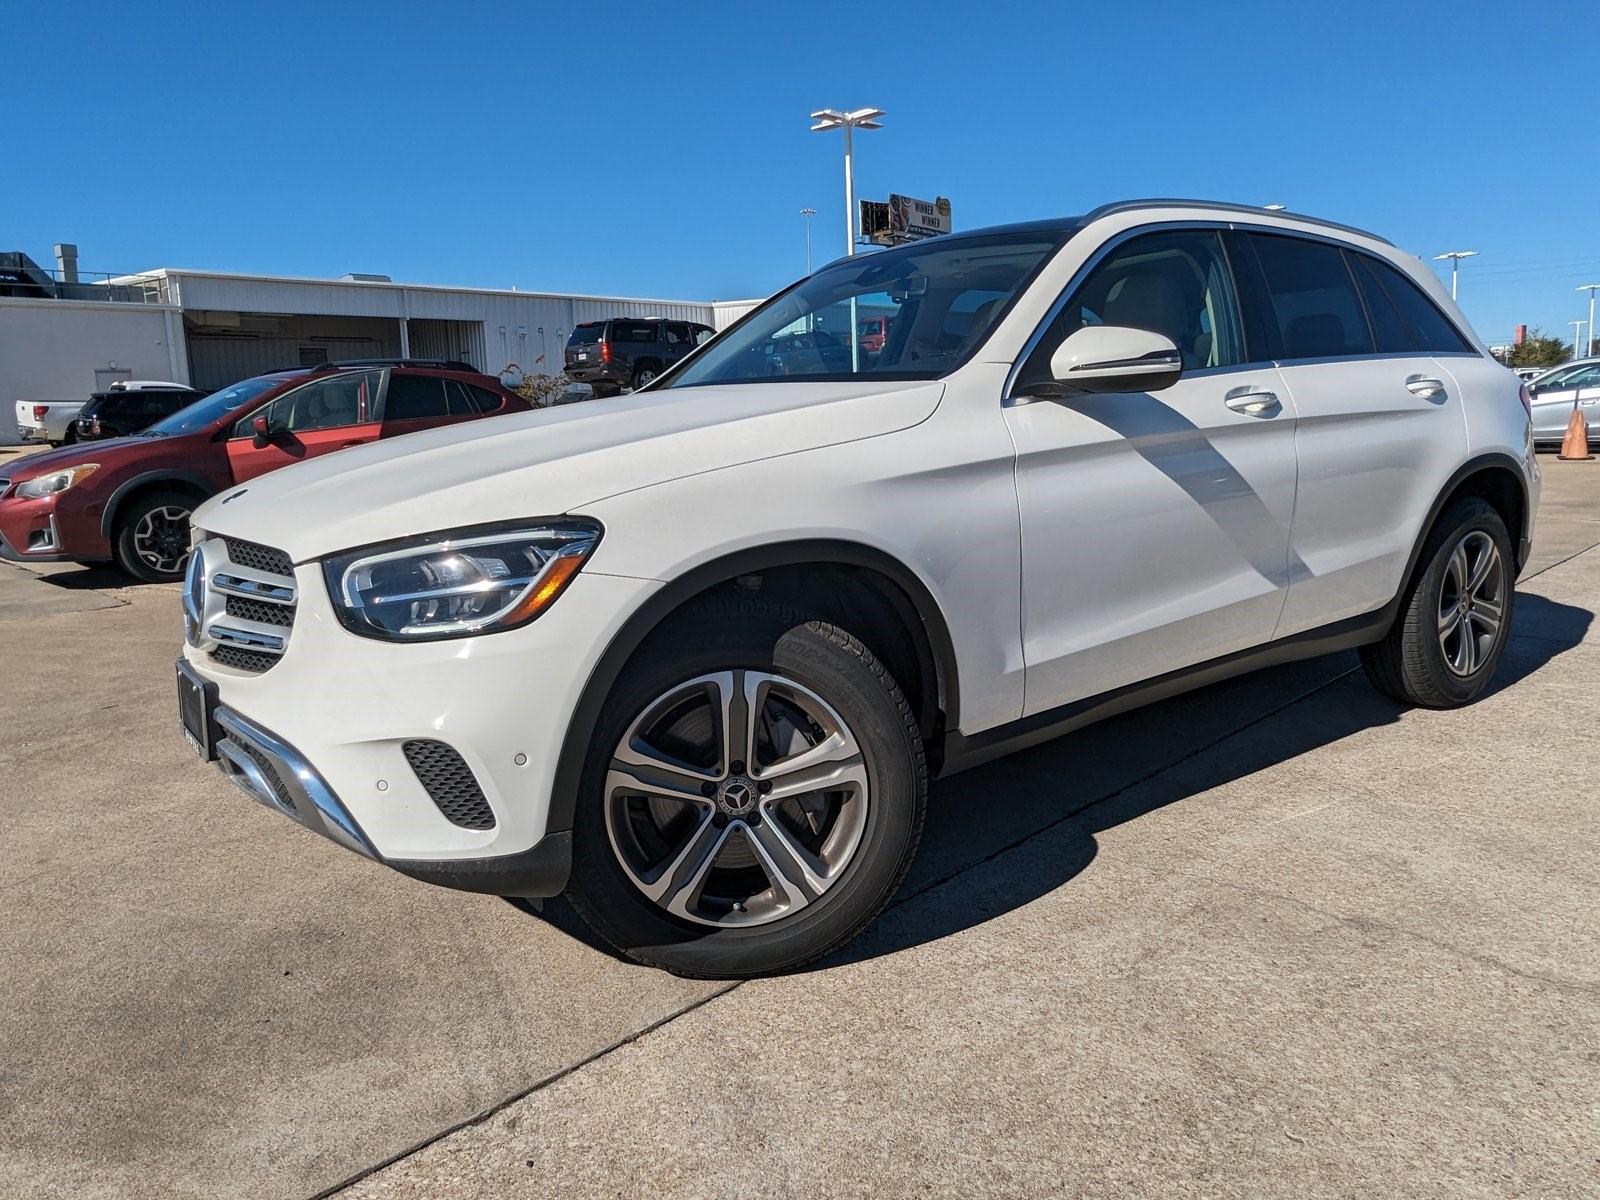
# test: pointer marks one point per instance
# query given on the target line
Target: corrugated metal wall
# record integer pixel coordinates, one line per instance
(529, 329)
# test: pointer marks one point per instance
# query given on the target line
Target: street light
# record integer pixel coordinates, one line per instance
(1577, 338)
(1591, 288)
(806, 214)
(861, 118)
(1455, 257)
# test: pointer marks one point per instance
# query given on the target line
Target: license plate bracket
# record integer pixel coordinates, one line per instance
(197, 700)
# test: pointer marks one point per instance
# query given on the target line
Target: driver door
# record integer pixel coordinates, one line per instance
(1155, 526)
(317, 418)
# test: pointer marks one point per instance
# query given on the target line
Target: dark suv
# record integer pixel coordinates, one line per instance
(125, 409)
(629, 352)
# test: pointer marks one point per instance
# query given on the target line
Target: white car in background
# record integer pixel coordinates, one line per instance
(54, 422)
(693, 654)
(1560, 391)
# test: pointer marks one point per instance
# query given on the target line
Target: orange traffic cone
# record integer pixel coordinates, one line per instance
(1575, 446)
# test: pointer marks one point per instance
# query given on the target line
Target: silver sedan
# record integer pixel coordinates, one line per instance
(1554, 394)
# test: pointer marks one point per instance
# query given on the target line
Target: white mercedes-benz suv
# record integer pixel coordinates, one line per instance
(691, 655)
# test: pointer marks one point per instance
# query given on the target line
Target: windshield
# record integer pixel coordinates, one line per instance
(213, 408)
(916, 312)
(587, 334)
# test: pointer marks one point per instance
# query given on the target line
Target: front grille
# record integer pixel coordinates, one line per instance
(233, 566)
(279, 792)
(244, 660)
(449, 783)
(260, 610)
(259, 558)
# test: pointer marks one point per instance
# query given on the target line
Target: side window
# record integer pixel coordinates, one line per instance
(414, 398)
(488, 401)
(1583, 377)
(1389, 329)
(678, 334)
(1312, 297)
(325, 404)
(633, 331)
(703, 334)
(1433, 331)
(1175, 283)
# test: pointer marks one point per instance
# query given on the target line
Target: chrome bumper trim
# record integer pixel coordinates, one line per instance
(314, 803)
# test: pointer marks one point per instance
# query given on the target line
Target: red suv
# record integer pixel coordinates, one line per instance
(128, 500)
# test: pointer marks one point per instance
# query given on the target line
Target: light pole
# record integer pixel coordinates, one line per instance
(1591, 288)
(1455, 257)
(861, 118)
(807, 214)
(1577, 337)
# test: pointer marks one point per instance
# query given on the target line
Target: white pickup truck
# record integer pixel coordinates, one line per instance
(55, 422)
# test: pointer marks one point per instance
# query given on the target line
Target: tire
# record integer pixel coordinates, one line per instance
(602, 390)
(72, 436)
(1417, 662)
(643, 374)
(144, 544)
(859, 838)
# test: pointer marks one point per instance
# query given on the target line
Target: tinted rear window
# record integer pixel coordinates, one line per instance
(587, 335)
(633, 331)
(1313, 298)
(1432, 331)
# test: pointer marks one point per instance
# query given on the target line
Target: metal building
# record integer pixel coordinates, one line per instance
(241, 325)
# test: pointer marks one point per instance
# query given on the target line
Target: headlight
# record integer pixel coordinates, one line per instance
(56, 481)
(467, 581)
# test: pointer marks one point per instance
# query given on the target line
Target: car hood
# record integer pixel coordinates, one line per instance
(550, 461)
(34, 465)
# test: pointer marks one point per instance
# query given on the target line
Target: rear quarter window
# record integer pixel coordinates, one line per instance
(1430, 328)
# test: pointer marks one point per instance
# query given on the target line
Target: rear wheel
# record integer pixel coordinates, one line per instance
(753, 796)
(152, 536)
(1455, 616)
(645, 373)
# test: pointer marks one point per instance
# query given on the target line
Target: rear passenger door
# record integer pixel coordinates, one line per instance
(1379, 427)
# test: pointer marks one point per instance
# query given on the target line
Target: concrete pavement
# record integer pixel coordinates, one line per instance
(1279, 937)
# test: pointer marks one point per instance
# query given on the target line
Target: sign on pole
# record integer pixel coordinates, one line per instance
(903, 219)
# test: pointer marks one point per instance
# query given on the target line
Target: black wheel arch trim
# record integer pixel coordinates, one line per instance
(108, 519)
(640, 624)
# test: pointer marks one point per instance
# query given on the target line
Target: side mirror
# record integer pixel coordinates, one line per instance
(261, 427)
(1114, 358)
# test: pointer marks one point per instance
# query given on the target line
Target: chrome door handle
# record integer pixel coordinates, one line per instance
(1424, 385)
(1252, 401)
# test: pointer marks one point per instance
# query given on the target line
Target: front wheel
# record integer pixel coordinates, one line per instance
(152, 537)
(1454, 617)
(754, 794)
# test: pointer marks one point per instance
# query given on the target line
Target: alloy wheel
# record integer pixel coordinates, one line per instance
(736, 799)
(1471, 603)
(161, 539)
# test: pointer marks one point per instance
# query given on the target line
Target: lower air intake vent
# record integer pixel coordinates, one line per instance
(449, 783)
(243, 660)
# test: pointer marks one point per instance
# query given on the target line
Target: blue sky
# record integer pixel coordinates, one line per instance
(662, 150)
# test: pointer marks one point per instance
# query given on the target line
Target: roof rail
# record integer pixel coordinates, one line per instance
(1106, 210)
(437, 364)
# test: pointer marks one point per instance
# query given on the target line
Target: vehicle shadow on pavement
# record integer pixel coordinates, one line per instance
(982, 841)
(89, 579)
(983, 881)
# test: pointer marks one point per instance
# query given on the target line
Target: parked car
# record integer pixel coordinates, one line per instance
(693, 655)
(1528, 374)
(628, 352)
(873, 332)
(130, 406)
(1557, 392)
(54, 422)
(128, 500)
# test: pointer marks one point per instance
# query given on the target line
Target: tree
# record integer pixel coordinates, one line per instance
(1538, 350)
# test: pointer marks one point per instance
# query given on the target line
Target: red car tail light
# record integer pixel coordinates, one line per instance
(605, 352)
(39, 411)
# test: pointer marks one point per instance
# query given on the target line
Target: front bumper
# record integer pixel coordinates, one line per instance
(332, 716)
(275, 774)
